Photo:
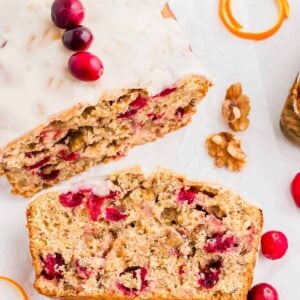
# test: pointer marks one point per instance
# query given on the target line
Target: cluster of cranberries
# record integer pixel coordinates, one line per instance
(94, 204)
(295, 189)
(68, 15)
(274, 245)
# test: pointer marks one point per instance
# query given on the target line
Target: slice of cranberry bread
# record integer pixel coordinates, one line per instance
(61, 126)
(89, 135)
(131, 236)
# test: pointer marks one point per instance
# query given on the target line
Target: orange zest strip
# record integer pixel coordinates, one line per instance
(286, 8)
(16, 286)
(231, 17)
(232, 24)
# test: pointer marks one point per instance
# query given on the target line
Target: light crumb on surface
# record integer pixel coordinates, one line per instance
(226, 149)
(236, 108)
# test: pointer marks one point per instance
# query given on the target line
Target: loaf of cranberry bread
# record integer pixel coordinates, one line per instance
(132, 236)
(150, 86)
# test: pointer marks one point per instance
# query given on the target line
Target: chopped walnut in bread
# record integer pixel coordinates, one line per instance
(236, 108)
(227, 151)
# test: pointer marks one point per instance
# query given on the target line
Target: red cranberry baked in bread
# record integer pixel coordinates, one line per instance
(133, 80)
(131, 236)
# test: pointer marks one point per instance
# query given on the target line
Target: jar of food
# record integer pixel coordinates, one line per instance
(290, 117)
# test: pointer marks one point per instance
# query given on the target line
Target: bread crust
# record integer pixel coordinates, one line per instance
(241, 295)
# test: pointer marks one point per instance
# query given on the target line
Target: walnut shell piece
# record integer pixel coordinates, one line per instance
(290, 117)
(227, 151)
(236, 108)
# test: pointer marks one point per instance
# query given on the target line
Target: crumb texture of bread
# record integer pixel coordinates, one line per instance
(144, 237)
(88, 135)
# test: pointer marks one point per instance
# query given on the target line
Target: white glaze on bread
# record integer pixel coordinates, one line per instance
(137, 46)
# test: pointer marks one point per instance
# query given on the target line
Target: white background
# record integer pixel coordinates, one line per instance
(266, 70)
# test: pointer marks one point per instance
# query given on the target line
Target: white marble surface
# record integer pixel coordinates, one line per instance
(266, 70)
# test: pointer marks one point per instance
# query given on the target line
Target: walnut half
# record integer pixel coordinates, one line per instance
(236, 108)
(226, 149)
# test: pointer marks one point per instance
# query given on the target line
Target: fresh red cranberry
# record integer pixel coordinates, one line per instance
(38, 164)
(67, 13)
(295, 189)
(219, 243)
(114, 215)
(71, 199)
(166, 92)
(49, 176)
(68, 156)
(274, 245)
(134, 107)
(137, 273)
(186, 196)
(82, 271)
(85, 66)
(53, 266)
(263, 291)
(210, 274)
(78, 38)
